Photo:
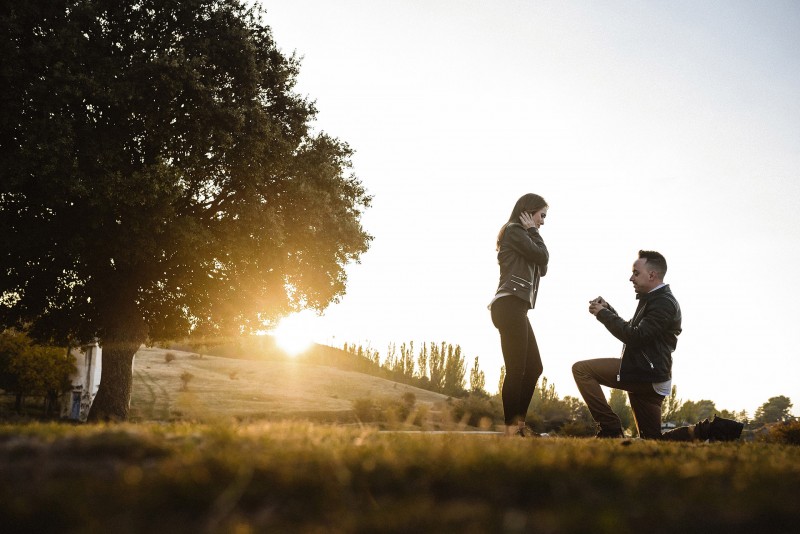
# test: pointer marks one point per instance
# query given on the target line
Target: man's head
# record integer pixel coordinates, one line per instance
(648, 271)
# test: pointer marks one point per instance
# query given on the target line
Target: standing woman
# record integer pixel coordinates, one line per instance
(523, 258)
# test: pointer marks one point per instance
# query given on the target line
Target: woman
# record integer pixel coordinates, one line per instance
(523, 258)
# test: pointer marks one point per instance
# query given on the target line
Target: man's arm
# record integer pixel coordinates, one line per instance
(657, 317)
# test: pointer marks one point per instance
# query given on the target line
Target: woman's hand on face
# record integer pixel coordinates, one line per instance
(527, 220)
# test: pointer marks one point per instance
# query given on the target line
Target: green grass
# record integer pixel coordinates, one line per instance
(302, 477)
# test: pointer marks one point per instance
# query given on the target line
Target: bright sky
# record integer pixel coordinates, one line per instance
(672, 126)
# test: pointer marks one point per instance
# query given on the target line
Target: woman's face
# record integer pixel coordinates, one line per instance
(539, 217)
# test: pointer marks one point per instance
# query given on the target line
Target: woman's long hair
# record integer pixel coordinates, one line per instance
(530, 202)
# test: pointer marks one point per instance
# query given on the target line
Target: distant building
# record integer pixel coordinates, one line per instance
(75, 404)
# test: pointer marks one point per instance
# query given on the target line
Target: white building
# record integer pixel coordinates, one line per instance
(88, 362)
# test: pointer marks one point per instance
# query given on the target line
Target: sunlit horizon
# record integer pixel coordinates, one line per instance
(294, 334)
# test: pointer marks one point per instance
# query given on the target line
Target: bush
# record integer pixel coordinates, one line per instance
(186, 377)
(578, 429)
(30, 369)
(365, 410)
(393, 412)
(477, 410)
(168, 357)
(786, 433)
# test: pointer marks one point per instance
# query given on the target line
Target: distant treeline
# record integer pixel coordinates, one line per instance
(439, 367)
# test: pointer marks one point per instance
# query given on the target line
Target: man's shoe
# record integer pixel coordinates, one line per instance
(721, 429)
(610, 433)
(702, 430)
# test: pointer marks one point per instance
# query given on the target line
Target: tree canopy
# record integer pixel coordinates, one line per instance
(161, 177)
(775, 410)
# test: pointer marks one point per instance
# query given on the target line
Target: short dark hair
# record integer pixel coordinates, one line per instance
(655, 261)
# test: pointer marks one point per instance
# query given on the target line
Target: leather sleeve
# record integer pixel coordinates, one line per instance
(528, 244)
(658, 316)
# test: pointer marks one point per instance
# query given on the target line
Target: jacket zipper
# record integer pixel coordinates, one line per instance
(619, 372)
(526, 284)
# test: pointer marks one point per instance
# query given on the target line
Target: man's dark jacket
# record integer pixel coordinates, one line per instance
(523, 260)
(650, 337)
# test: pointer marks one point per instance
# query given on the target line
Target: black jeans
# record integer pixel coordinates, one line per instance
(521, 355)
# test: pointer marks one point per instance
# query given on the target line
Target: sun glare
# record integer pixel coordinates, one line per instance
(294, 334)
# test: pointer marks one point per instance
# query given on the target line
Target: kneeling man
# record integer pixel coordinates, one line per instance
(645, 368)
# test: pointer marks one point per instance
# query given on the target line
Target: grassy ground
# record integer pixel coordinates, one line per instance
(302, 477)
(229, 451)
(253, 389)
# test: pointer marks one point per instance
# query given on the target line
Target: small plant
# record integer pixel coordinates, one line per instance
(365, 410)
(168, 357)
(186, 377)
(234, 375)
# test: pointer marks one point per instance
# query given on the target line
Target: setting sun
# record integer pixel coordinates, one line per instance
(294, 334)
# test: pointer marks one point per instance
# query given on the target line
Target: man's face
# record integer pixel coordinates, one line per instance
(643, 280)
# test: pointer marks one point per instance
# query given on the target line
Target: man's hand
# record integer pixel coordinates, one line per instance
(596, 305)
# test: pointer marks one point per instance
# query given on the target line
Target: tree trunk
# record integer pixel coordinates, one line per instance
(113, 399)
(123, 334)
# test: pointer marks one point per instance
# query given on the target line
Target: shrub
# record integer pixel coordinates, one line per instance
(393, 412)
(365, 410)
(477, 410)
(168, 357)
(186, 377)
(30, 369)
(787, 433)
(577, 429)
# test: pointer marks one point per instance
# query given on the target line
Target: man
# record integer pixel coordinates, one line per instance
(645, 368)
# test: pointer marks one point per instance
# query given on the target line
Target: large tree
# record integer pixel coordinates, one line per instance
(160, 177)
(775, 410)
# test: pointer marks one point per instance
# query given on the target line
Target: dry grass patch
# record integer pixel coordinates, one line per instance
(224, 388)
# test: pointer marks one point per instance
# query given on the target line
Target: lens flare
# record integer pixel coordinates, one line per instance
(294, 333)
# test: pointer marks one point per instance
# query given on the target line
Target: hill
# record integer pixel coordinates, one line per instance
(254, 387)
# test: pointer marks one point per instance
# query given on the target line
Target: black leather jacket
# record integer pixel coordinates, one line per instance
(650, 337)
(523, 260)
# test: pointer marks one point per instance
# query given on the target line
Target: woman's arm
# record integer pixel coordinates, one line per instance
(528, 244)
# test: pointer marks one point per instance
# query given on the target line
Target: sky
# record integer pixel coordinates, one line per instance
(671, 126)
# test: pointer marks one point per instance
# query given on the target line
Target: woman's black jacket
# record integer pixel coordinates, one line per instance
(523, 260)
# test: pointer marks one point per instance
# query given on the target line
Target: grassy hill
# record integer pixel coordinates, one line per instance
(255, 385)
